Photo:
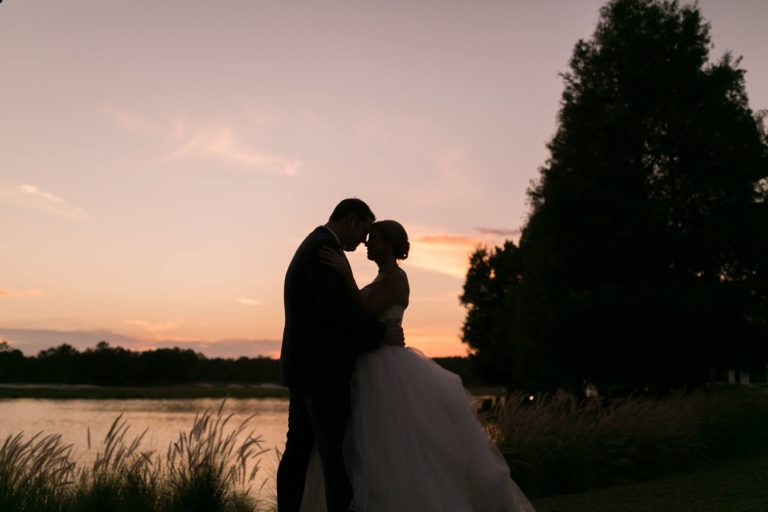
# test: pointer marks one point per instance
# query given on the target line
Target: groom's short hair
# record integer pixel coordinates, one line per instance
(353, 206)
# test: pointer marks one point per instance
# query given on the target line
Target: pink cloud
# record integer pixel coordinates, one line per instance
(222, 142)
(498, 232)
(31, 341)
(219, 140)
(448, 239)
(448, 253)
(33, 198)
(247, 302)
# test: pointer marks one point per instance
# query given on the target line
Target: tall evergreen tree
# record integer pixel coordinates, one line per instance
(644, 256)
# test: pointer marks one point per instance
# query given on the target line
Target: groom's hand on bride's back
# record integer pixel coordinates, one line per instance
(394, 335)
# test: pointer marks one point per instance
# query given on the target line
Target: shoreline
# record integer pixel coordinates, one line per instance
(85, 391)
(91, 392)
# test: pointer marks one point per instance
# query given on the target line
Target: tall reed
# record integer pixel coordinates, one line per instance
(211, 468)
(34, 472)
(208, 467)
(558, 444)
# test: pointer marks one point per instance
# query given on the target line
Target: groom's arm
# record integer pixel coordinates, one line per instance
(358, 329)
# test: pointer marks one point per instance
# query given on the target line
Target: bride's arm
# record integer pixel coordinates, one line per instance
(394, 334)
(341, 264)
(392, 289)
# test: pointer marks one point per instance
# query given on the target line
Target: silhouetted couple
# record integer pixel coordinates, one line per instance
(373, 426)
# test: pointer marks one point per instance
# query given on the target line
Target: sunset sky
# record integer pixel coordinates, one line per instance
(161, 160)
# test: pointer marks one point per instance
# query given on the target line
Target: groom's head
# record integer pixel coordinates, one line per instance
(351, 221)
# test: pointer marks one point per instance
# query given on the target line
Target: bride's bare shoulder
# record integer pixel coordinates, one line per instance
(403, 276)
(397, 276)
(398, 284)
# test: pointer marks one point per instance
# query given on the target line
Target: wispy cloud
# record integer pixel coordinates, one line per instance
(447, 239)
(448, 253)
(247, 302)
(222, 142)
(498, 232)
(437, 344)
(32, 197)
(443, 253)
(153, 328)
(31, 341)
(235, 347)
(5, 293)
(218, 140)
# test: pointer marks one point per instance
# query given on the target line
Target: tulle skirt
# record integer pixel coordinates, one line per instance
(414, 444)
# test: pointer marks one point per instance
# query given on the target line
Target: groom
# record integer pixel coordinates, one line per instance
(325, 331)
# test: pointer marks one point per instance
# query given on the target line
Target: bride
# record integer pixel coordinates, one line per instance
(413, 443)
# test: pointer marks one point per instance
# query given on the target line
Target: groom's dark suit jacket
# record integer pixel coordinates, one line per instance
(325, 329)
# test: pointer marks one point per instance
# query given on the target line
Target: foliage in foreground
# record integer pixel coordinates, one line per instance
(559, 444)
(208, 469)
(554, 444)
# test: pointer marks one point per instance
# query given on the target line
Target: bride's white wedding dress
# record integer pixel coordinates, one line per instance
(414, 443)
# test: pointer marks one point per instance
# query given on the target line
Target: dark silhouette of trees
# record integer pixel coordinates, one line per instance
(108, 365)
(59, 364)
(10, 360)
(173, 365)
(643, 261)
(490, 291)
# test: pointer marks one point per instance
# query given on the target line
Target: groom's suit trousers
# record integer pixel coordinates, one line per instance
(317, 418)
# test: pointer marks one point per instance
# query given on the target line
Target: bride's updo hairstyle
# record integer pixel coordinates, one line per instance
(394, 233)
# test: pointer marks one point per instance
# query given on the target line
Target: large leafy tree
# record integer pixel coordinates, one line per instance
(643, 261)
(490, 294)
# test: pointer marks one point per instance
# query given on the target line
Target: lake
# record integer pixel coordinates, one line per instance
(164, 419)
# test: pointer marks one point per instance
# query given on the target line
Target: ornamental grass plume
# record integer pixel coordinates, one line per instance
(34, 472)
(210, 468)
(559, 444)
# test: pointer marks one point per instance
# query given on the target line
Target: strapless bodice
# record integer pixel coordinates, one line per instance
(394, 312)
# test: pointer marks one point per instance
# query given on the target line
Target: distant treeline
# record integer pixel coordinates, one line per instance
(107, 365)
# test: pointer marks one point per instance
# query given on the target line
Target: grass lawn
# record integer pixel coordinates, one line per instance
(738, 485)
